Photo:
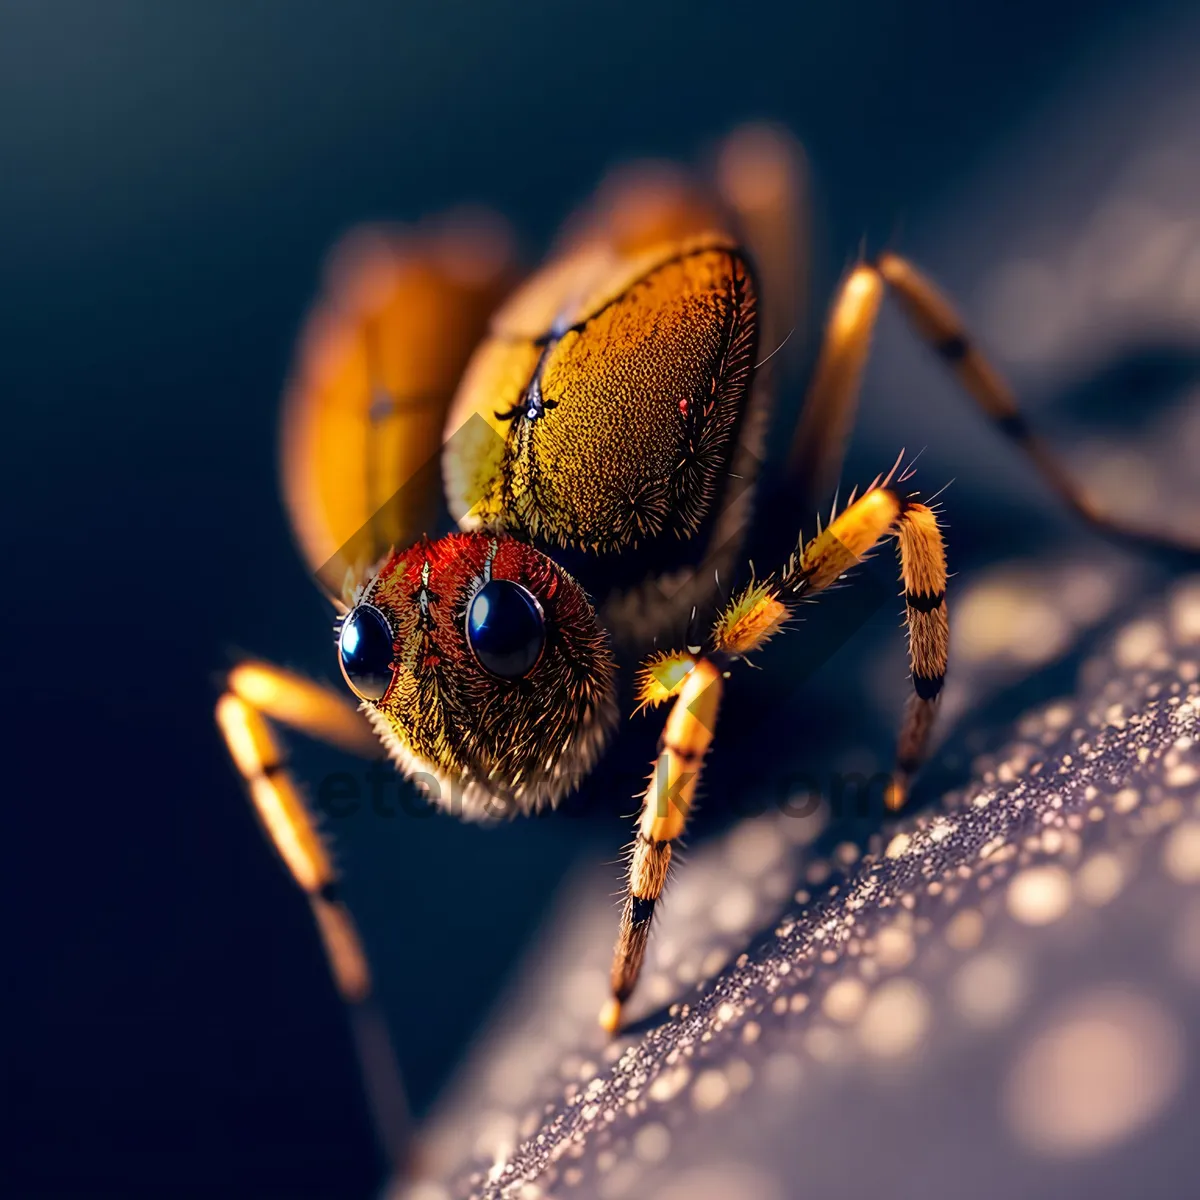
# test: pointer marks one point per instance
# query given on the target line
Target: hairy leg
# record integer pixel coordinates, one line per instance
(693, 682)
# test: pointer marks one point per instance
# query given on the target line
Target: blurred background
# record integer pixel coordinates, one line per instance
(172, 177)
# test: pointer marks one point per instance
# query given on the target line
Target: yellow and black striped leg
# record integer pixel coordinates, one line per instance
(841, 545)
(819, 442)
(750, 620)
(259, 694)
(923, 568)
(687, 734)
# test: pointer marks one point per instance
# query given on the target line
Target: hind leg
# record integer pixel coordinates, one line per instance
(828, 416)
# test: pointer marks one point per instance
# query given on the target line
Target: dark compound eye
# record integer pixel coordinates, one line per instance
(506, 628)
(365, 651)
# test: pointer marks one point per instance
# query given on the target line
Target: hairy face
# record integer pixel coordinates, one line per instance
(481, 666)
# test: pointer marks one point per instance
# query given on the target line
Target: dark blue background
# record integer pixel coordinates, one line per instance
(170, 176)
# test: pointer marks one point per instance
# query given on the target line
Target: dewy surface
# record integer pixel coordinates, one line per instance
(1001, 996)
(1011, 980)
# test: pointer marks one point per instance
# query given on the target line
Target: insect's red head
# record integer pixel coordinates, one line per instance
(482, 667)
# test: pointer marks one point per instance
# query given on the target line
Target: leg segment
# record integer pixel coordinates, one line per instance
(258, 694)
(819, 441)
(315, 711)
(840, 546)
(748, 622)
(665, 805)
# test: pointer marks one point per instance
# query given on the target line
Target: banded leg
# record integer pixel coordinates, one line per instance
(819, 442)
(762, 609)
(747, 624)
(668, 797)
(259, 694)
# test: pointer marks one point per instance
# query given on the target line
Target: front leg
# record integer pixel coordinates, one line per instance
(748, 623)
(686, 736)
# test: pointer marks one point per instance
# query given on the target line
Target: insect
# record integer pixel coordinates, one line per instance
(595, 431)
